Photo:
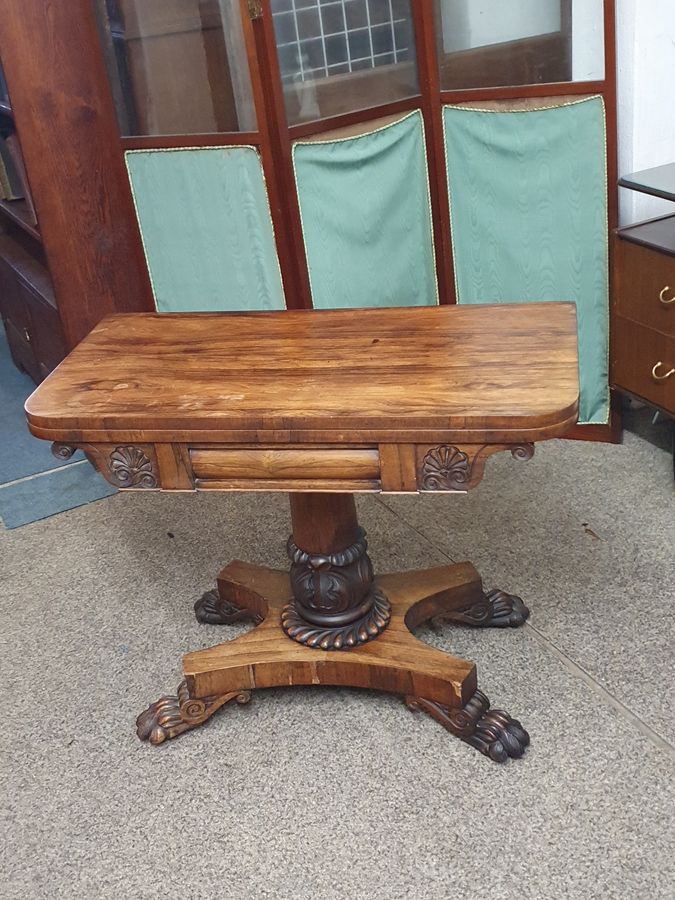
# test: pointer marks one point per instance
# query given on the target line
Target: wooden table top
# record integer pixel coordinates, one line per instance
(486, 373)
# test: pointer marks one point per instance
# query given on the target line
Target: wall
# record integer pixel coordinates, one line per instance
(646, 83)
(588, 51)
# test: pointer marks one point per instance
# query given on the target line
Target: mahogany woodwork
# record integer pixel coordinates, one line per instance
(418, 407)
(57, 79)
(443, 685)
(64, 113)
(643, 332)
(29, 311)
(335, 603)
(658, 234)
(543, 59)
(167, 141)
(636, 353)
(429, 76)
(276, 153)
(473, 374)
(324, 523)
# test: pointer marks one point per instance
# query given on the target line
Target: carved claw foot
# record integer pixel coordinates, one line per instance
(170, 716)
(497, 609)
(211, 609)
(491, 731)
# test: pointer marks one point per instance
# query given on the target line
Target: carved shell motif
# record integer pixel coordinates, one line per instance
(445, 469)
(130, 467)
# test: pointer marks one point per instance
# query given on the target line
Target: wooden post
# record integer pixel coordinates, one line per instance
(65, 117)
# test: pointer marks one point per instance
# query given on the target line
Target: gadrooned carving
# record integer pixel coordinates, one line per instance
(130, 467)
(335, 603)
(368, 626)
(445, 468)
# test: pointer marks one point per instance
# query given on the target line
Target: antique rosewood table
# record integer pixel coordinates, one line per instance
(322, 405)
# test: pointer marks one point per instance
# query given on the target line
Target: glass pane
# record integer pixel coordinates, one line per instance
(337, 56)
(488, 43)
(4, 95)
(177, 66)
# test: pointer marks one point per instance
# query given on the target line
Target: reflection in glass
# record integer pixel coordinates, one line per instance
(488, 43)
(322, 44)
(177, 66)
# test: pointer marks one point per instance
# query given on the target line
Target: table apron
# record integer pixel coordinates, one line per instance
(380, 468)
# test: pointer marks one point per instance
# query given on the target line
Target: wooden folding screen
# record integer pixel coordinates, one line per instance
(226, 79)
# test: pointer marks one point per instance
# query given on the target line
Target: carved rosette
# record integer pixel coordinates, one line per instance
(491, 731)
(336, 604)
(523, 452)
(445, 468)
(62, 451)
(130, 467)
(172, 715)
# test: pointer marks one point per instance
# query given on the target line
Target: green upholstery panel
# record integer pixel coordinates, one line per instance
(366, 218)
(206, 228)
(528, 196)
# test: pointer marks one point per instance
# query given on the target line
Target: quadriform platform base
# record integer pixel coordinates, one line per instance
(322, 405)
(428, 679)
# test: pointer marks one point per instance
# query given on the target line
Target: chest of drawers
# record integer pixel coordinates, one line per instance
(643, 344)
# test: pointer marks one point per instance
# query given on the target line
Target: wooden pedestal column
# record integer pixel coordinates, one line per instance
(336, 602)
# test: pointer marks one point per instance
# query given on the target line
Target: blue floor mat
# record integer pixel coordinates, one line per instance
(54, 492)
(33, 483)
(21, 454)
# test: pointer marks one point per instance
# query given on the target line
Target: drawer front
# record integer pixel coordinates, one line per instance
(636, 350)
(270, 469)
(12, 301)
(645, 286)
(22, 350)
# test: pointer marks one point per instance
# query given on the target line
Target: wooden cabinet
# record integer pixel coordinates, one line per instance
(643, 345)
(28, 309)
(82, 258)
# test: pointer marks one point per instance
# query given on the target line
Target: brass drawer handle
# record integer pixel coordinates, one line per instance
(662, 296)
(661, 377)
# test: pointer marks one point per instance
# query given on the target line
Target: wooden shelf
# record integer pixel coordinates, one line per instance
(17, 211)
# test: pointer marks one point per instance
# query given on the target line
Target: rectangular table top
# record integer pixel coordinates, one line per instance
(503, 372)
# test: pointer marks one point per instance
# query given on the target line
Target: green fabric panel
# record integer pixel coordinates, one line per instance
(206, 229)
(366, 218)
(528, 195)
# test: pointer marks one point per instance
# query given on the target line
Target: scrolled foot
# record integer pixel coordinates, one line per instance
(172, 715)
(497, 609)
(211, 609)
(491, 731)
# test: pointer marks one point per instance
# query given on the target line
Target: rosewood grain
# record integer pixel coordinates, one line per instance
(418, 407)
(479, 374)
(397, 662)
